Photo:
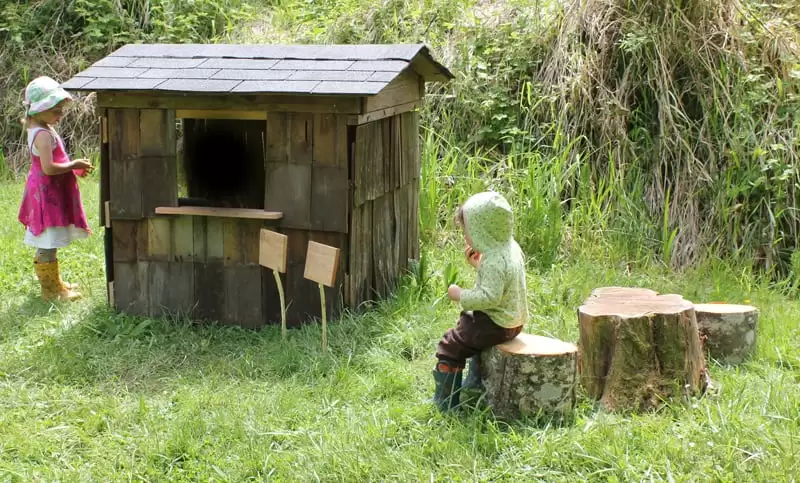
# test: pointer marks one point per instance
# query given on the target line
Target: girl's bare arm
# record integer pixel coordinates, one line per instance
(44, 144)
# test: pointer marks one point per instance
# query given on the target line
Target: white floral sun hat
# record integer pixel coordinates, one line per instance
(42, 94)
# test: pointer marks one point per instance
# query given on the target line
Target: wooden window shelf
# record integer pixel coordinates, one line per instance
(219, 212)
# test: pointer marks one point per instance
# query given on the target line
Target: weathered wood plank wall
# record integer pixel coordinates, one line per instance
(384, 231)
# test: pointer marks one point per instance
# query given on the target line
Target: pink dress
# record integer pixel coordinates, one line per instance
(51, 210)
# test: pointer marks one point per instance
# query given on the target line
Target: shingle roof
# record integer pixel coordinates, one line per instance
(257, 69)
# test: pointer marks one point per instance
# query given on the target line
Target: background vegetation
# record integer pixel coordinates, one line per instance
(649, 143)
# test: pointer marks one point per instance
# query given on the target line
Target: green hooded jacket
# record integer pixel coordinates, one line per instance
(500, 290)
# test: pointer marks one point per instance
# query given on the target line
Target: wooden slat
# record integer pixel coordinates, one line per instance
(107, 213)
(123, 134)
(401, 210)
(329, 177)
(183, 238)
(158, 286)
(403, 89)
(125, 184)
(355, 120)
(393, 251)
(215, 239)
(157, 145)
(209, 294)
(159, 239)
(360, 254)
(220, 114)
(388, 154)
(411, 151)
(301, 132)
(382, 249)
(181, 289)
(125, 234)
(130, 288)
(330, 140)
(157, 132)
(159, 183)
(277, 150)
(329, 199)
(368, 163)
(199, 238)
(171, 288)
(242, 288)
(231, 244)
(397, 153)
(105, 174)
(287, 191)
(274, 103)
(249, 238)
(219, 212)
(108, 250)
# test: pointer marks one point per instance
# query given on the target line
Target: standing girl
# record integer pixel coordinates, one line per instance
(51, 209)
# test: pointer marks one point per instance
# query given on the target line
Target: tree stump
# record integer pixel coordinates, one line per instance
(639, 349)
(530, 376)
(730, 330)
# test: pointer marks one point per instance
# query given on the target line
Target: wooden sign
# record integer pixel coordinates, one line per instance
(322, 262)
(272, 250)
(272, 254)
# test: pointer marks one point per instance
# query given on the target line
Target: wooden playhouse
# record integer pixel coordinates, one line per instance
(202, 146)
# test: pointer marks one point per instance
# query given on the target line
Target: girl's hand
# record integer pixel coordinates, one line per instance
(454, 292)
(81, 167)
(473, 257)
(82, 164)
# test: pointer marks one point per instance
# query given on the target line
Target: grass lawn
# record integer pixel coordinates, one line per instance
(86, 394)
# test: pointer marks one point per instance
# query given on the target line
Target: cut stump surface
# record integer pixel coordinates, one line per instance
(530, 376)
(639, 348)
(730, 330)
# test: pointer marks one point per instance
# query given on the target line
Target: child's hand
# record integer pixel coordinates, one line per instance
(81, 167)
(454, 292)
(473, 257)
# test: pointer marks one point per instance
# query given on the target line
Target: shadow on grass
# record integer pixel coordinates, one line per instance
(17, 317)
(139, 354)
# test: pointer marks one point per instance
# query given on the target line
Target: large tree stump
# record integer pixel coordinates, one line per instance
(530, 376)
(639, 348)
(730, 331)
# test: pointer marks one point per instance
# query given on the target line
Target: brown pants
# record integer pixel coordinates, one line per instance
(474, 333)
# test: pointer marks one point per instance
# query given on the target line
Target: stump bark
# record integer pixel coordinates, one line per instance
(530, 376)
(730, 331)
(639, 349)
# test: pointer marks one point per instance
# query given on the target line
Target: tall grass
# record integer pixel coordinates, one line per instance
(699, 100)
(86, 394)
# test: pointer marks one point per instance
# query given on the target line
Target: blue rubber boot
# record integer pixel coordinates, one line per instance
(448, 385)
(473, 380)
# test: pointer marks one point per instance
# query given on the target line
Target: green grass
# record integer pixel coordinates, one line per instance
(86, 394)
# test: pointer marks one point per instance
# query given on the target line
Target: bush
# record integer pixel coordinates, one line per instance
(59, 38)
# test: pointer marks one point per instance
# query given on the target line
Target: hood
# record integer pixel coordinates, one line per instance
(489, 220)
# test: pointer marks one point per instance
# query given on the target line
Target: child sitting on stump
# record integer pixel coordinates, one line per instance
(495, 310)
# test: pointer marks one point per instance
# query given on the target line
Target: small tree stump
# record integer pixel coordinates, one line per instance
(530, 376)
(730, 330)
(639, 348)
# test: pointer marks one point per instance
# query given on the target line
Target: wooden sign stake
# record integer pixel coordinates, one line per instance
(272, 254)
(321, 264)
(324, 322)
